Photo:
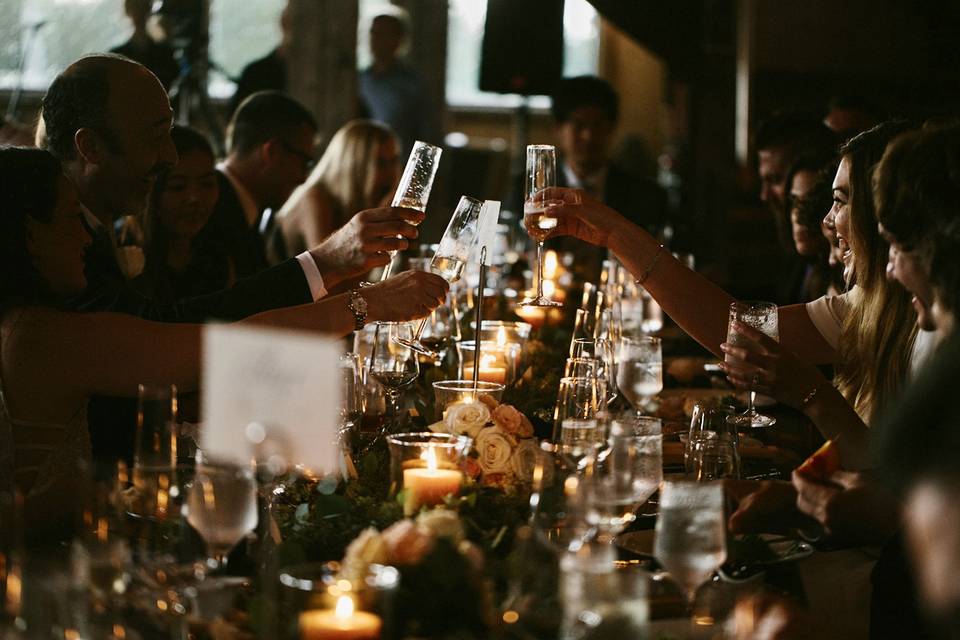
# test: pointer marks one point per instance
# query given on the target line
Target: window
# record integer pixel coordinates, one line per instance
(54, 33)
(581, 34)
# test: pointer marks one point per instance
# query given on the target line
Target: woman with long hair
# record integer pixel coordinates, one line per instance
(867, 334)
(53, 360)
(359, 170)
(184, 256)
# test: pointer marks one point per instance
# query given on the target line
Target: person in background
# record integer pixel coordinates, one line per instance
(142, 48)
(394, 93)
(359, 170)
(779, 141)
(270, 151)
(183, 258)
(808, 197)
(848, 115)
(268, 73)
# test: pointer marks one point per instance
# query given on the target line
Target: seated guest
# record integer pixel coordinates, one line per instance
(268, 73)
(183, 258)
(359, 170)
(53, 360)
(848, 115)
(270, 142)
(142, 48)
(808, 196)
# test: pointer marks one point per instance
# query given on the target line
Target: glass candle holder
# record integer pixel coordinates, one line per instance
(447, 392)
(498, 363)
(504, 331)
(426, 467)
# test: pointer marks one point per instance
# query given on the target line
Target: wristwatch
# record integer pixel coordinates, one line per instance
(358, 307)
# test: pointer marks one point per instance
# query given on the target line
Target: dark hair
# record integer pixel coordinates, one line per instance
(917, 196)
(396, 20)
(28, 184)
(584, 91)
(77, 99)
(794, 130)
(855, 102)
(815, 205)
(264, 116)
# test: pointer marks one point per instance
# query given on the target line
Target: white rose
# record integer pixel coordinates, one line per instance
(494, 449)
(438, 427)
(524, 459)
(366, 549)
(467, 417)
(443, 523)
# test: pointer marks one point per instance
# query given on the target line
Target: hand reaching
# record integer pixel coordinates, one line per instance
(363, 243)
(406, 296)
(850, 506)
(581, 216)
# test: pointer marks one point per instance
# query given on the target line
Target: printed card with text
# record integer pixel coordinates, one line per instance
(271, 393)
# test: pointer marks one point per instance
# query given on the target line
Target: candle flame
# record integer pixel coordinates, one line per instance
(502, 337)
(102, 530)
(344, 608)
(430, 457)
(487, 361)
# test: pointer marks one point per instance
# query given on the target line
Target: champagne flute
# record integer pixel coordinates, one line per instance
(602, 352)
(541, 174)
(451, 256)
(413, 192)
(690, 535)
(762, 316)
(394, 364)
(222, 507)
(640, 370)
(577, 432)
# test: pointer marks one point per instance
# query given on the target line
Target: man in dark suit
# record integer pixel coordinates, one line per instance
(108, 120)
(585, 111)
(268, 73)
(270, 152)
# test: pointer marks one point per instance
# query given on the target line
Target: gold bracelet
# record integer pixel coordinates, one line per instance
(650, 267)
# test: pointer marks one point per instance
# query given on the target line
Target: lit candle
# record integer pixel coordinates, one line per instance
(489, 371)
(427, 486)
(535, 316)
(342, 623)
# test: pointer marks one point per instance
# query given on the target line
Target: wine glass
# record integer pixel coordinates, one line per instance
(451, 256)
(640, 370)
(393, 364)
(577, 431)
(712, 423)
(762, 316)
(557, 500)
(541, 174)
(413, 192)
(625, 475)
(690, 535)
(222, 507)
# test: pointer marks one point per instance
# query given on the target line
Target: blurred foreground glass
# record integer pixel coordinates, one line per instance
(413, 192)
(541, 174)
(764, 317)
(690, 535)
(602, 598)
(557, 500)
(155, 453)
(451, 256)
(222, 507)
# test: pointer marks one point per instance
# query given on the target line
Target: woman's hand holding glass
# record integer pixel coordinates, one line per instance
(581, 216)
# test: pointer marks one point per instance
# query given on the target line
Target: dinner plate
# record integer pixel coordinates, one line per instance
(784, 549)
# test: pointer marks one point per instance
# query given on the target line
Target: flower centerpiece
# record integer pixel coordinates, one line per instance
(505, 449)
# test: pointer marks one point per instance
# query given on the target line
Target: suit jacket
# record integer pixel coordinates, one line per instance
(228, 223)
(112, 420)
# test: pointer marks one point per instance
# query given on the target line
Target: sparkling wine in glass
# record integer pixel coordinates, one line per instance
(764, 317)
(413, 192)
(392, 363)
(451, 256)
(222, 507)
(639, 370)
(690, 536)
(541, 173)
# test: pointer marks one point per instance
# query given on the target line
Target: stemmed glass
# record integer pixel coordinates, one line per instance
(577, 431)
(690, 540)
(625, 475)
(762, 316)
(222, 507)
(451, 256)
(413, 192)
(640, 370)
(602, 352)
(541, 174)
(393, 364)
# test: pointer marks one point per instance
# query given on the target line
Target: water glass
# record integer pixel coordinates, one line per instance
(764, 317)
(690, 536)
(713, 459)
(557, 500)
(639, 370)
(393, 364)
(222, 507)
(155, 454)
(712, 423)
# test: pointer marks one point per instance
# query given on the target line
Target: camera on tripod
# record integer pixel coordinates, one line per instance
(184, 26)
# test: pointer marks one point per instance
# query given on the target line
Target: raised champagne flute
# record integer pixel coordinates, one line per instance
(392, 363)
(639, 370)
(413, 192)
(541, 174)
(764, 317)
(222, 507)
(690, 536)
(451, 257)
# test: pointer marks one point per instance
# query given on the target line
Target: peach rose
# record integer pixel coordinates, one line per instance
(507, 418)
(471, 467)
(407, 542)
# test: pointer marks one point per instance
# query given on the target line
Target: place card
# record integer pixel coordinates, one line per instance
(269, 393)
(487, 230)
